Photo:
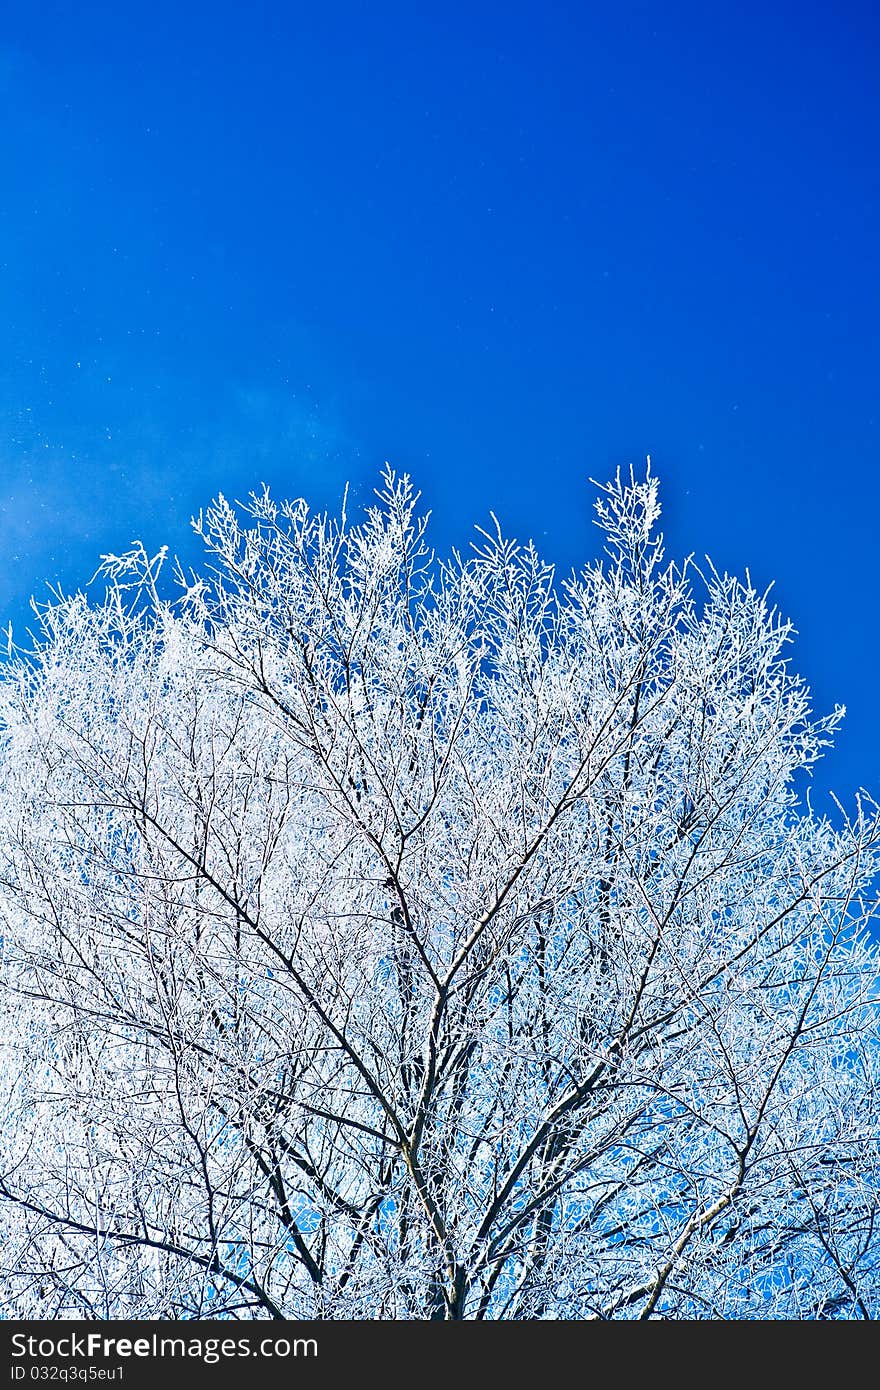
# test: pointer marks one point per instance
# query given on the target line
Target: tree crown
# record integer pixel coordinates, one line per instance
(385, 934)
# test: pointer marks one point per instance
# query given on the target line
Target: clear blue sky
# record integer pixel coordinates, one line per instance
(504, 246)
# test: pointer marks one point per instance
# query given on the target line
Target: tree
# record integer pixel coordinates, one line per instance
(392, 938)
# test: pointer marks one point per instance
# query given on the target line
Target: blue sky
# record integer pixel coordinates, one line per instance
(504, 246)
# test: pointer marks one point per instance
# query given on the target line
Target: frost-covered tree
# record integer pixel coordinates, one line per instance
(389, 938)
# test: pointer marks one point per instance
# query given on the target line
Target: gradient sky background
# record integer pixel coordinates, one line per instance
(504, 246)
